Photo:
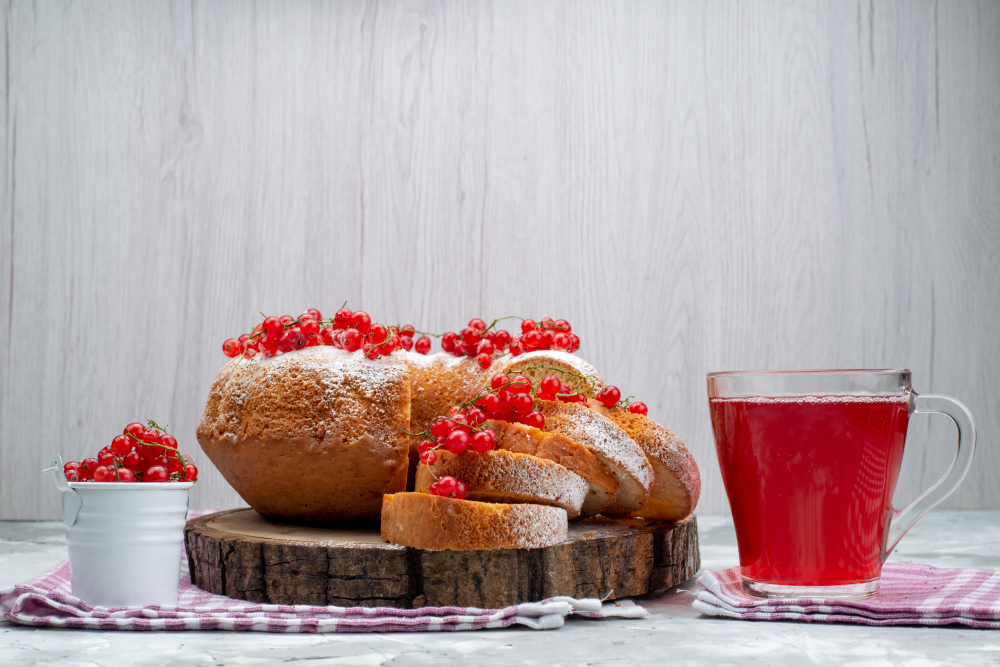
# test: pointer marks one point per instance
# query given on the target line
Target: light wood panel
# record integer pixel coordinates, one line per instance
(696, 186)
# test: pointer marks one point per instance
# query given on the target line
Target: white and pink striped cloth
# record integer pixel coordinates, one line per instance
(908, 595)
(45, 601)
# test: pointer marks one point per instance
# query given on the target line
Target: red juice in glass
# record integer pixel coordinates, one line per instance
(810, 481)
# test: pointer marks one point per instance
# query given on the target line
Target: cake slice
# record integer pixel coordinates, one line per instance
(501, 476)
(678, 481)
(423, 521)
(569, 368)
(611, 445)
(567, 453)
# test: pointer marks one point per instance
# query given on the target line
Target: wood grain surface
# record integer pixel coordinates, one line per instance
(241, 554)
(695, 186)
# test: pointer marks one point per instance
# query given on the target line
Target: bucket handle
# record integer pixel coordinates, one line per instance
(71, 500)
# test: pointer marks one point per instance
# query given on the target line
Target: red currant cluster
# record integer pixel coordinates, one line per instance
(485, 342)
(449, 487)
(548, 334)
(347, 330)
(139, 454)
(477, 340)
(458, 432)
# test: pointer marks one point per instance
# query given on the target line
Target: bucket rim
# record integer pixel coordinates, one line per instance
(131, 485)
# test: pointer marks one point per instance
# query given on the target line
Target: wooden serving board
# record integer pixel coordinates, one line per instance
(240, 554)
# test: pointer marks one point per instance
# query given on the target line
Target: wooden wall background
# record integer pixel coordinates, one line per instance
(695, 186)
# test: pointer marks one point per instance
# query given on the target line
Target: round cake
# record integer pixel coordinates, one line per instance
(315, 435)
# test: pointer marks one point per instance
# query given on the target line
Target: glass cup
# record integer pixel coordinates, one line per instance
(810, 461)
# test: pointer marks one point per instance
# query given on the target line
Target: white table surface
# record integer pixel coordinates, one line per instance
(674, 633)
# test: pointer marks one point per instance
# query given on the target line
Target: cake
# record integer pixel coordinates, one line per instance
(677, 484)
(434, 522)
(612, 447)
(502, 476)
(518, 438)
(312, 435)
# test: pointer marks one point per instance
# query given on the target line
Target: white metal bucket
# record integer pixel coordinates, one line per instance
(124, 539)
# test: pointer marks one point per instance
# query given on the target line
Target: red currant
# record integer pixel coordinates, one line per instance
(102, 474)
(609, 396)
(352, 340)
(326, 335)
(574, 343)
(407, 330)
(315, 314)
(560, 341)
(485, 361)
(87, 468)
(458, 441)
(638, 408)
(491, 403)
(407, 342)
(523, 403)
(310, 328)
(461, 422)
(499, 380)
(442, 427)
(520, 385)
(133, 461)
(535, 419)
(422, 345)
(135, 429)
(361, 321)
(515, 349)
(471, 336)
(169, 441)
(563, 325)
(72, 475)
(477, 324)
(152, 436)
(342, 318)
(105, 457)
(425, 446)
(156, 474)
(486, 347)
(501, 339)
(532, 340)
(124, 475)
(286, 320)
(546, 323)
(528, 325)
(461, 490)
(71, 466)
(550, 385)
(483, 441)
(191, 472)
(446, 486)
(174, 464)
(272, 326)
(428, 458)
(448, 341)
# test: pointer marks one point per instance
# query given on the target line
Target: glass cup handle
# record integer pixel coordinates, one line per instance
(903, 520)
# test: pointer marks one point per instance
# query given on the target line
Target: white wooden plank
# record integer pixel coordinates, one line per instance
(696, 187)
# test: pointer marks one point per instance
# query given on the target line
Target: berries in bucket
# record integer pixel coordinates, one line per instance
(139, 454)
(125, 512)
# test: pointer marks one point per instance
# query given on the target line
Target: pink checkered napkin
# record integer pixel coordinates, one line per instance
(46, 601)
(908, 595)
